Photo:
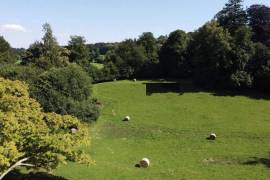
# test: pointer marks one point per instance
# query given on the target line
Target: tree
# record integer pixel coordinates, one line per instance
(161, 40)
(259, 67)
(6, 55)
(129, 58)
(66, 91)
(148, 41)
(259, 20)
(211, 55)
(33, 54)
(79, 52)
(232, 15)
(241, 54)
(48, 53)
(173, 55)
(30, 137)
(18, 72)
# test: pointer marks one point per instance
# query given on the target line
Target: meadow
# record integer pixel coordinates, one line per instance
(169, 125)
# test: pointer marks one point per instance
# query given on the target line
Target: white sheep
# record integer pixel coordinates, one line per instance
(145, 163)
(212, 136)
(127, 118)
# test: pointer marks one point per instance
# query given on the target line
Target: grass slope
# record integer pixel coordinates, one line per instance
(171, 129)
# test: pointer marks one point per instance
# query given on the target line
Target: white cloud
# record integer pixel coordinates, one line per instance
(12, 28)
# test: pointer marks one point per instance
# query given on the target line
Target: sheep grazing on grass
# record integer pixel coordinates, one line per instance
(144, 163)
(134, 80)
(127, 118)
(212, 136)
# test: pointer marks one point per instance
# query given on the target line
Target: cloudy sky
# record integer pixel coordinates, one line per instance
(103, 20)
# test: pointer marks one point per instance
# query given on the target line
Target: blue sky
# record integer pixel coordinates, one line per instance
(103, 20)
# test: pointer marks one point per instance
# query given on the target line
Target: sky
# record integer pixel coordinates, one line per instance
(103, 20)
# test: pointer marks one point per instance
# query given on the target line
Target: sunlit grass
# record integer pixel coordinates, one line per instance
(170, 129)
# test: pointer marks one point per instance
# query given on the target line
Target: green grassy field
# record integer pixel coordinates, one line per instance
(170, 128)
(98, 65)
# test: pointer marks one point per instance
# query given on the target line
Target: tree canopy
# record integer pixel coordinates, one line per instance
(66, 91)
(26, 133)
(259, 21)
(232, 15)
(6, 55)
(173, 55)
(47, 53)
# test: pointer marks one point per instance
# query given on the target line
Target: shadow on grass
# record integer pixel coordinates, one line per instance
(186, 86)
(255, 161)
(180, 87)
(16, 175)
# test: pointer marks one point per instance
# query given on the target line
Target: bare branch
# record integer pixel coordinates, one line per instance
(19, 163)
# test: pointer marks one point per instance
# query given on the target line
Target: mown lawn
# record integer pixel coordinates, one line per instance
(170, 128)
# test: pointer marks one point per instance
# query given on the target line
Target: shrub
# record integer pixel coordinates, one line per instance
(66, 91)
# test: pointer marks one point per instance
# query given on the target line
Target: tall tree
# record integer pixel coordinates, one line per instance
(47, 53)
(210, 57)
(259, 20)
(52, 52)
(6, 55)
(148, 41)
(129, 58)
(173, 55)
(232, 15)
(241, 55)
(79, 52)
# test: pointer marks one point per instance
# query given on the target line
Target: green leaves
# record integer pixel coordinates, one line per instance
(26, 131)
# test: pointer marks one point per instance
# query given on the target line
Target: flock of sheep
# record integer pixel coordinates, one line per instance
(145, 162)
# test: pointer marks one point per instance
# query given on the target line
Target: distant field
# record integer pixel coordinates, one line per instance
(98, 65)
(169, 125)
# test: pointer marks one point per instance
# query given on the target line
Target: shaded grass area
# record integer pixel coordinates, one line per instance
(170, 128)
(256, 161)
(16, 175)
(186, 86)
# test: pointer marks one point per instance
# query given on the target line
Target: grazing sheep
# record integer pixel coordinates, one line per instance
(212, 136)
(145, 163)
(134, 80)
(127, 118)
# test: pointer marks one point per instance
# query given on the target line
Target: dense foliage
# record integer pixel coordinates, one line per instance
(66, 91)
(259, 21)
(173, 55)
(211, 48)
(6, 55)
(45, 139)
(48, 53)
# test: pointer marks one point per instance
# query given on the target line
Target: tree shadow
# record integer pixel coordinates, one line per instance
(186, 86)
(179, 87)
(253, 94)
(16, 175)
(256, 160)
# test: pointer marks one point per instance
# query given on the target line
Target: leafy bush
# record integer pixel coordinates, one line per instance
(28, 134)
(66, 91)
(18, 72)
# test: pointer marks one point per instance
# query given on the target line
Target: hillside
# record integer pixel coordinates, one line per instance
(170, 126)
